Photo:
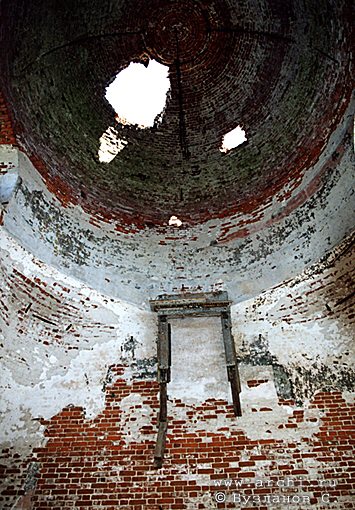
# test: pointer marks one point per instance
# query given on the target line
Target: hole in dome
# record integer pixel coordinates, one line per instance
(174, 221)
(138, 95)
(233, 139)
(110, 145)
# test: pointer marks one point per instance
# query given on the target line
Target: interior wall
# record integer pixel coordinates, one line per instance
(80, 398)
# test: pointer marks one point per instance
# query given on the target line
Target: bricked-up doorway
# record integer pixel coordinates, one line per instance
(192, 305)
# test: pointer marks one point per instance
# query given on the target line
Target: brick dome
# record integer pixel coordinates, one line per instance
(278, 69)
(171, 211)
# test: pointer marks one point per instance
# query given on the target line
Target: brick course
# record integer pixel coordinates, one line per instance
(88, 463)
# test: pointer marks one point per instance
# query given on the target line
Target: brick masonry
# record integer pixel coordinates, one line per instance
(89, 463)
(81, 398)
(7, 135)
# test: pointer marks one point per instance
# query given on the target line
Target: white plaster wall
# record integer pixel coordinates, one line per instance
(38, 380)
(294, 320)
(198, 360)
(8, 171)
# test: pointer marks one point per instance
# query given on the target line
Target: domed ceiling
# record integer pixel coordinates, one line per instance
(171, 212)
(279, 69)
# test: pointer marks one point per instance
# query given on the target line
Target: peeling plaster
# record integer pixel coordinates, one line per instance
(65, 376)
(135, 415)
(270, 423)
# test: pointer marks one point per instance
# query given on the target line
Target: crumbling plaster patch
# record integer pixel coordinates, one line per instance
(135, 415)
(262, 415)
(349, 397)
(8, 172)
(71, 371)
(300, 326)
(333, 340)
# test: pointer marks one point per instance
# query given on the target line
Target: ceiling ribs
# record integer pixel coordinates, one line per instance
(182, 122)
